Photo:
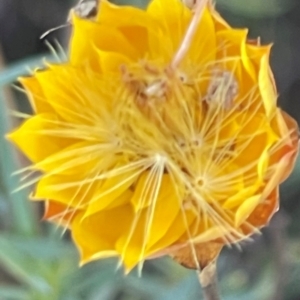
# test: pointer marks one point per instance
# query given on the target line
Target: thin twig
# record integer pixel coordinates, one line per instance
(188, 37)
(208, 281)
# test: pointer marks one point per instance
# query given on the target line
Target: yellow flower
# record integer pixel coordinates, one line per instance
(140, 159)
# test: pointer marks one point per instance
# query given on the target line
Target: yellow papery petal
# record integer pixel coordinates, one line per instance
(73, 159)
(277, 174)
(74, 191)
(112, 61)
(119, 16)
(139, 36)
(36, 96)
(267, 90)
(38, 131)
(239, 197)
(74, 103)
(246, 208)
(151, 224)
(59, 213)
(144, 190)
(203, 48)
(135, 24)
(100, 37)
(141, 197)
(179, 226)
(171, 25)
(255, 54)
(232, 42)
(209, 234)
(131, 243)
(96, 236)
(163, 213)
(220, 23)
(247, 62)
(263, 163)
(263, 212)
(112, 192)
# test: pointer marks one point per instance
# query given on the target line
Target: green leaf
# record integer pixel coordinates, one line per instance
(13, 293)
(24, 221)
(18, 265)
(25, 67)
(258, 8)
(137, 3)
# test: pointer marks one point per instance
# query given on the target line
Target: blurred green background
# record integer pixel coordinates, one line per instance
(37, 263)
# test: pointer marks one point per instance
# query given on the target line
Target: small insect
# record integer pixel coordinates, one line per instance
(86, 9)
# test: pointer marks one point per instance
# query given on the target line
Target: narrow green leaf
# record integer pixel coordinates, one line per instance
(258, 8)
(24, 67)
(20, 266)
(13, 292)
(23, 218)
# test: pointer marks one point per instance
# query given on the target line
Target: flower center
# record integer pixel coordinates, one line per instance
(148, 83)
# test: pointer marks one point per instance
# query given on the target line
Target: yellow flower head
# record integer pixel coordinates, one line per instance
(142, 156)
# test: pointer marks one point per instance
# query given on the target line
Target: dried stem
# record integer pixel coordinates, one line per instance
(208, 281)
(191, 30)
(277, 232)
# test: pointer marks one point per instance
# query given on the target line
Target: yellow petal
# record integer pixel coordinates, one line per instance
(112, 61)
(263, 164)
(163, 213)
(262, 213)
(247, 61)
(240, 197)
(219, 22)
(59, 213)
(35, 94)
(256, 52)
(246, 208)
(73, 159)
(122, 16)
(96, 235)
(143, 191)
(113, 191)
(285, 126)
(179, 226)
(100, 37)
(74, 191)
(210, 234)
(77, 102)
(151, 225)
(131, 243)
(204, 45)
(138, 35)
(279, 170)
(37, 138)
(266, 86)
(175, 20)
(134, 23)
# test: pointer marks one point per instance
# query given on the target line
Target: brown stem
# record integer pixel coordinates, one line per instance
(278, 244)
(208, 282)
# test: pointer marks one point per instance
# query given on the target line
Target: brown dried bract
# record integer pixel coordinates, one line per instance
(206, 253)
